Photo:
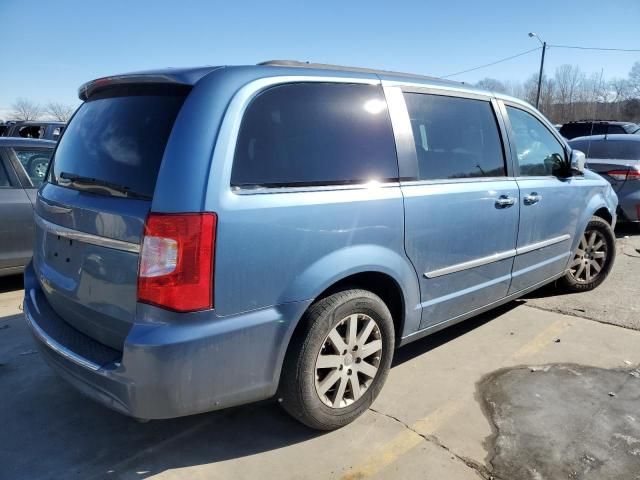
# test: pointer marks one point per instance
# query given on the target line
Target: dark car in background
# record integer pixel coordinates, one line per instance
(616, 158)
(39, 130)
(585, 128)
(23, 164)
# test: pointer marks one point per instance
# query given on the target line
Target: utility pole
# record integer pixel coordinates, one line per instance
(544, 49)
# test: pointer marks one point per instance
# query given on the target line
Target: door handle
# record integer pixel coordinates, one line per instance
(532, 198)
(505, 201)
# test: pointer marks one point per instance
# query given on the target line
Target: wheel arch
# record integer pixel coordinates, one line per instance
(393, 279)
(599, 205)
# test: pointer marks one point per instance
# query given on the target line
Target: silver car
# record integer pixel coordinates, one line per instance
(23, 165)
(616, 158)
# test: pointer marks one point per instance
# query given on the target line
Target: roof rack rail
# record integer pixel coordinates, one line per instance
(344, 68)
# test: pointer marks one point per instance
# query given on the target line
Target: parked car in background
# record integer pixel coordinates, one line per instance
(39, 130)
(584, 128)
(317, 218)
(616, 158)
(23, 164)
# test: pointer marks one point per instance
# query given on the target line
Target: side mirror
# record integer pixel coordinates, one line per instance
(578, 160)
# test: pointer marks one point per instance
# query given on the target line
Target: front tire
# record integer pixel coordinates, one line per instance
(593, 259)
(339, 359)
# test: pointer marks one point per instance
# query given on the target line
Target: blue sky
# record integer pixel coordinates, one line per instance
(51, 47)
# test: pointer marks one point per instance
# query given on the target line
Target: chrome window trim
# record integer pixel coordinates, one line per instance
(448, 181)
(86, 237)
(496, 257)
(313, 188)
(450, 91)
(57, 347)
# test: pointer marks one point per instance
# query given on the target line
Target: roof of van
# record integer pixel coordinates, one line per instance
(191, 76)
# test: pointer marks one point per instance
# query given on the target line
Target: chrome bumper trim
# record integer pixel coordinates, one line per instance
(57, 347)
(86, 237)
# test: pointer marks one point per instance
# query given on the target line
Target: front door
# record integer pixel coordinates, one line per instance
(461, 204)
(550, 205)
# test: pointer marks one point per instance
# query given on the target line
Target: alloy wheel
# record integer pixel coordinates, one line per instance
(348, 361)
(590, 257)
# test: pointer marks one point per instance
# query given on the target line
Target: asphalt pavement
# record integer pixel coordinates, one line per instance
(522, 392)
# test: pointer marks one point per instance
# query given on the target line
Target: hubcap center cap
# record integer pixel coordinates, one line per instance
(348, 359)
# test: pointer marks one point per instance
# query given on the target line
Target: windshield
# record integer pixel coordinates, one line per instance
(608, 149)
(118, 138)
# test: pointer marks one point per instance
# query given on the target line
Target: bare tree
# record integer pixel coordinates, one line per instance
(492, 85)
(26, 110)
(634, 80)
(572, 95)
(567, 80)
(59, 111)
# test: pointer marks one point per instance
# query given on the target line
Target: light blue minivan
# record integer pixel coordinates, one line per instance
(215, 236)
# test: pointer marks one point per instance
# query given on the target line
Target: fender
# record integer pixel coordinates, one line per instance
(603, 198)
(340, 264)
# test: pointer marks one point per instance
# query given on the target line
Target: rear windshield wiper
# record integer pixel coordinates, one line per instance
(88, 183)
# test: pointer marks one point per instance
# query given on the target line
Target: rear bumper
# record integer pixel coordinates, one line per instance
(168, 368)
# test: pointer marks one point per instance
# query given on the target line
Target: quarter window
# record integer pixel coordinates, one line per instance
(454, 137)
(539, 152)
(315, 134)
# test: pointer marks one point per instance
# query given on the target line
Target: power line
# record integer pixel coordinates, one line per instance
(492, 63)
(597, 48)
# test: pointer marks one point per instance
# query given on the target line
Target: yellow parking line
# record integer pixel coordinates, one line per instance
(408, 439)
(543, 339)
(401, 444)
(404, 442)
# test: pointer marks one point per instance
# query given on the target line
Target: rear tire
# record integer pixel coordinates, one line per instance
(593, 259)
(338, 360)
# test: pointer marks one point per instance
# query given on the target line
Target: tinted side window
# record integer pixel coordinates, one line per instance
(35, 163)
(454, 137)
(537, 148)
(315, 134)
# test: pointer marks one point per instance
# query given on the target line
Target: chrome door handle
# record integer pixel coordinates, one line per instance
(532, 198)
(505, 201)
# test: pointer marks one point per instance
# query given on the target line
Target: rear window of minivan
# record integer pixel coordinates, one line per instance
(115, 142)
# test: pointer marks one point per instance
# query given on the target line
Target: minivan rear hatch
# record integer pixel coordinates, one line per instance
(90, 214)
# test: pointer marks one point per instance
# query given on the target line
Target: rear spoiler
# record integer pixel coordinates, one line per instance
(89, 88)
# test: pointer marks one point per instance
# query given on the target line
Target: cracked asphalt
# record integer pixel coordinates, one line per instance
(522, 392)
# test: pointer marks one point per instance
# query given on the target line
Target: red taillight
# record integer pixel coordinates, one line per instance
(176, 261)
(622, 175)
(633, 174)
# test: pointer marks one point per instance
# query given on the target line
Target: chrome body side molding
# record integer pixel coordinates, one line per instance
(496, 257)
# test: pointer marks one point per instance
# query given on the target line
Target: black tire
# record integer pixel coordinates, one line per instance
(570, 282)
(298, 392)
